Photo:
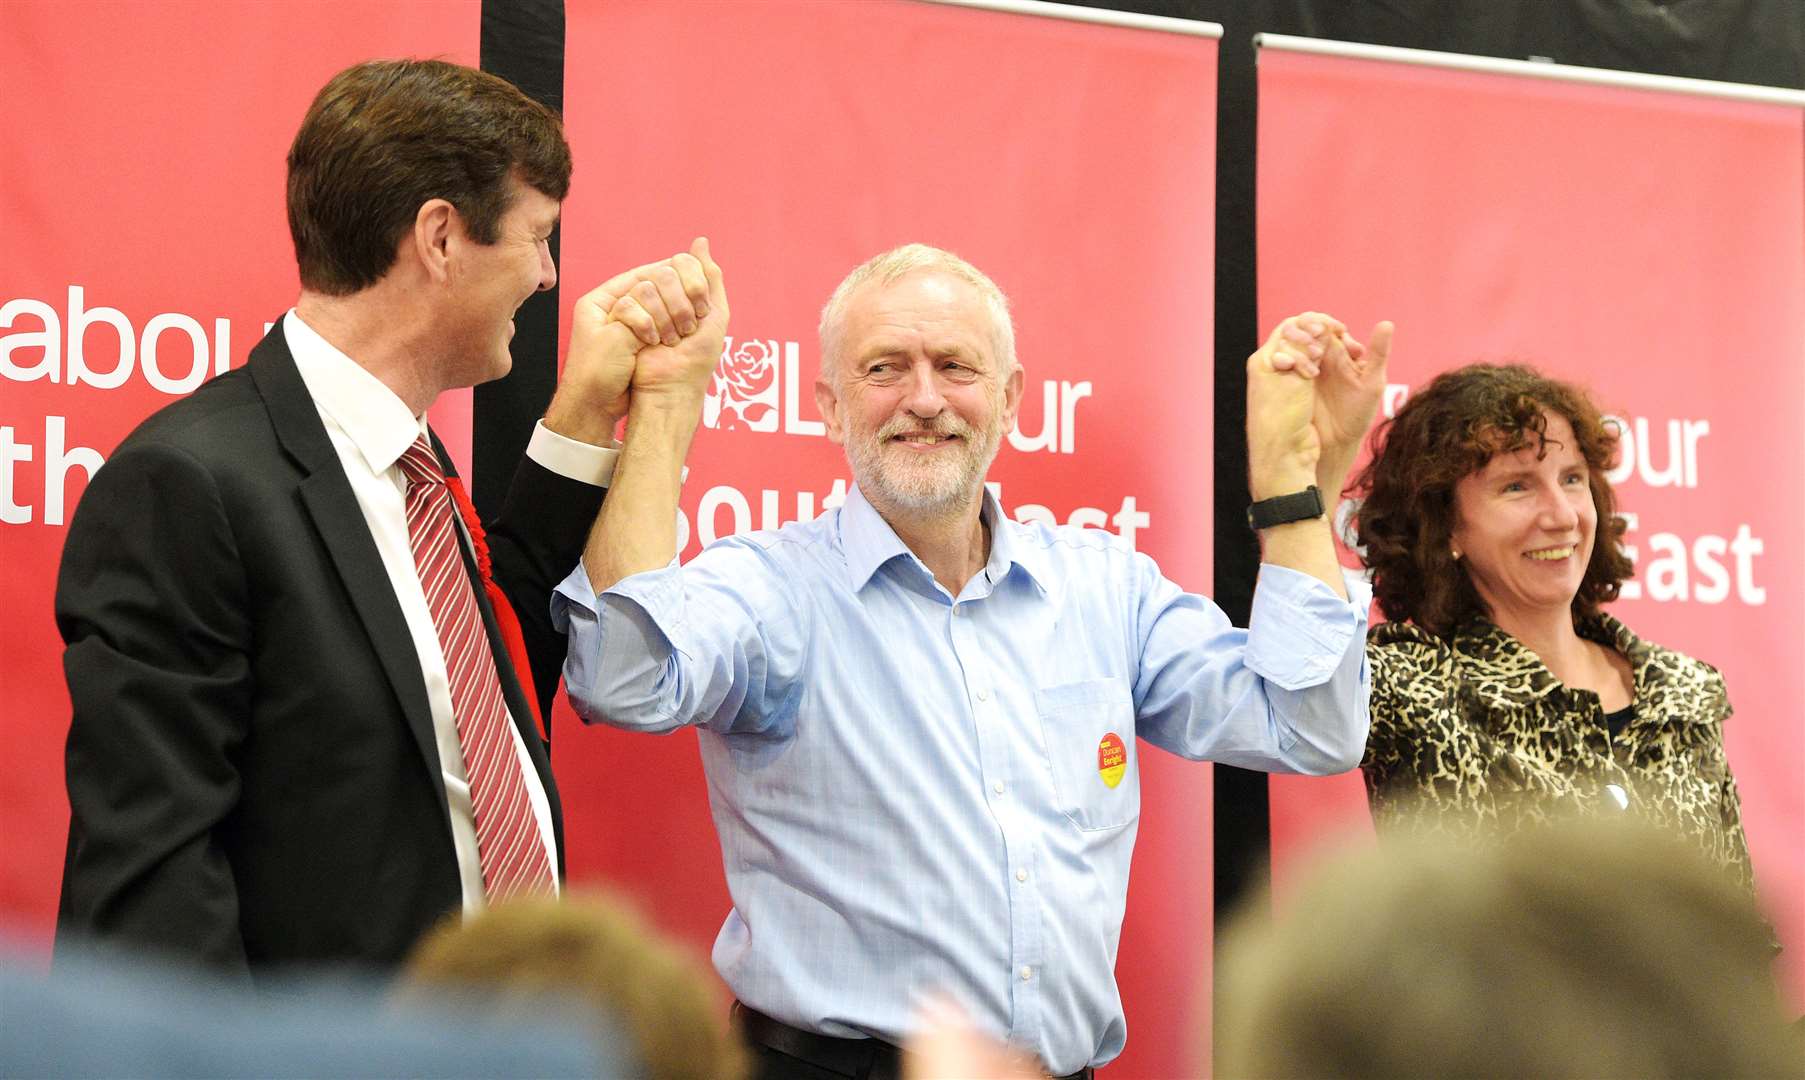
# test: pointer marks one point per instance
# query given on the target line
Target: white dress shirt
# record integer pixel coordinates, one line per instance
(371, 428)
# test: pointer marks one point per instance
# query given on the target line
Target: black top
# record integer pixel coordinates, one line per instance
(1620, 719)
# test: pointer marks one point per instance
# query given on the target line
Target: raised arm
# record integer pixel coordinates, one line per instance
(637, 529)
(552, 504)
(653, 646)
(1311, 394)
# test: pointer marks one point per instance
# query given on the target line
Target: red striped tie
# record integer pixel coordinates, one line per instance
(508, 841)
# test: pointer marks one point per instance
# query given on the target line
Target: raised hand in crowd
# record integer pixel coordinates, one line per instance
(946, 1046)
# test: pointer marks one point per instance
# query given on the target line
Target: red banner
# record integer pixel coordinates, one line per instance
(146, 246)
(803, 137)
(1647, 241)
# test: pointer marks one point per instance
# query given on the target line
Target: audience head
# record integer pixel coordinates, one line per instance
(1591, 948)
(111, 1010)
(586, 949)
(386, 136)
(1451, 430)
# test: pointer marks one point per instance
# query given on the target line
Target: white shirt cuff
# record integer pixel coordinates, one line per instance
(567, 457)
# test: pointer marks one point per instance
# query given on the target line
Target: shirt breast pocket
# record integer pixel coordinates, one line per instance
(1089, 731)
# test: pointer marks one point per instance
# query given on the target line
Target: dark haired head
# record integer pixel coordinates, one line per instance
(1445, 432)
(385, 136)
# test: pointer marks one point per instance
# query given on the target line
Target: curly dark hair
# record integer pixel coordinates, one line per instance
(1445, 432)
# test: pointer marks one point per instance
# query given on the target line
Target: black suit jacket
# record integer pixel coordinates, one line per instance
(253, 777)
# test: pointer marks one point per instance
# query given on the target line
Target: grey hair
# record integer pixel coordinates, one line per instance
(892, 266)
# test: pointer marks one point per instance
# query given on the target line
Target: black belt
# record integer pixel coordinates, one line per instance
(865, 1059)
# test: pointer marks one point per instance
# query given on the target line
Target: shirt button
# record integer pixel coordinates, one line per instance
(1027, 973)
(1021, 875)
(997, 787)
(983, 695)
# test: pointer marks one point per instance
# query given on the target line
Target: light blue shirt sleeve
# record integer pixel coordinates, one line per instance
(1288, 694)
(716, 643)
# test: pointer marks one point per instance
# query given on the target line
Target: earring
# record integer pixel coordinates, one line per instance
(1456, 552)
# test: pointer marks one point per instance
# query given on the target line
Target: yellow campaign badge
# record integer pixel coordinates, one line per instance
(1112, 759)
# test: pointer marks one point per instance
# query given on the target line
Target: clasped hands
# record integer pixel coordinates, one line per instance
(652, 333)
(1312, 392)
(656, 331)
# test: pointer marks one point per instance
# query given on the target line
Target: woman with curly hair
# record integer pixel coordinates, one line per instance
(1503, 695)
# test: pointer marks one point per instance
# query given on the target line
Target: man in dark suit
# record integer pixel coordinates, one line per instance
(298, 735)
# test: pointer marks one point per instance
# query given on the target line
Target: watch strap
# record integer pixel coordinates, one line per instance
(1284, 509)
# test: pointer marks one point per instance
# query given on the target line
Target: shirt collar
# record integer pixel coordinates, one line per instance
(866, 538)
(869, 542)
(1507, 674)
(1009, 546)
(372, 416)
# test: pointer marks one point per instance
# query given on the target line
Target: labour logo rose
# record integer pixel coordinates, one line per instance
(743, 393)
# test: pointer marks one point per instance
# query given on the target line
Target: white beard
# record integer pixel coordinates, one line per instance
(888, 476)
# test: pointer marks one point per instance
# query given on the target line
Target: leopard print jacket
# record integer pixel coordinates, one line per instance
(1475, 734)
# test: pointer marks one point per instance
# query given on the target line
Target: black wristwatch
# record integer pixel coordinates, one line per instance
(1284, 509)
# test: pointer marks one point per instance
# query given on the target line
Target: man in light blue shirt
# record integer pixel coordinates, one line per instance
(919, 719)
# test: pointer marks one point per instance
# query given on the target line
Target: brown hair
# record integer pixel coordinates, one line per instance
(385, 136)
(1592, 947)
(593, 951)
(1444, 433)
